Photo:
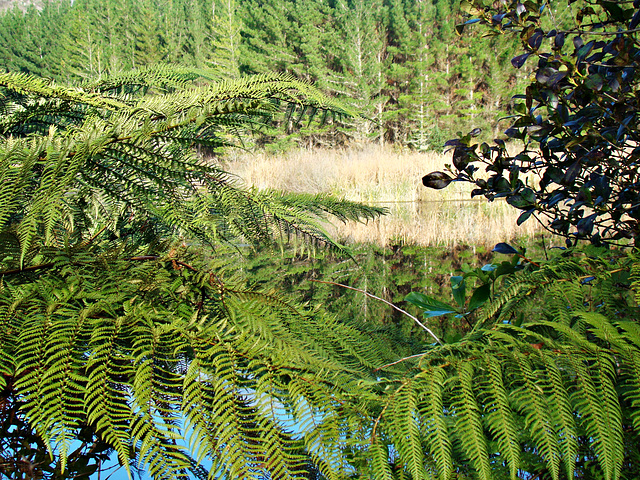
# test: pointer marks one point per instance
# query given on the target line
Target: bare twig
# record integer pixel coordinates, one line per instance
(624, 32)
(32, 268)
(417, 355)
(427, 329)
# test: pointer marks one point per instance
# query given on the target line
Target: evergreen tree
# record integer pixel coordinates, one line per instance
(423, 88)
(400, 60)
(398, 72)
(267, 28)
(199, 25)
(27, 38)
(227, 27)
(141, 25)
(83, 43)
(173, 32)
(361, 55)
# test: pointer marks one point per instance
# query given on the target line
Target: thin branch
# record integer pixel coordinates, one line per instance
(427, 329)
(33, 268)
(90, 240)
(417, 355)
(619, 32)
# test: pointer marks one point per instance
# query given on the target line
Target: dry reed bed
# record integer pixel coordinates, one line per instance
(389, 177)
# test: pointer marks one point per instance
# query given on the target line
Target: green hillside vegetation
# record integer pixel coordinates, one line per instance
(399, 63)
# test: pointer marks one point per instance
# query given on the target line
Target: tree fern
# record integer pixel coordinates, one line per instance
(119, 322)
(554, 394)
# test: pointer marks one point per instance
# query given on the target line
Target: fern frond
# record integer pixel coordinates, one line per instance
(469, 431)
(563, 410)
(433, 414)
(404, 429)
(380, 461)
(498, 417)
(600, 411)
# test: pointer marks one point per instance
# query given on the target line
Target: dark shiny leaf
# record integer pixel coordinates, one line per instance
(594, 82)
(431, 306)
(496, 19)
(505, 248)
(524, 216)
(635, 20)
(571, 174)
(558, 41)
(556, 198)
(518, 61)
(528, 195)
(585, 50)
(614, 10)
(512, 132)
(585, 225)
(614, 84)
(518, 202)
(460, 158)
(536, 40)
(436, 180)
(479, 297)
(458, 289)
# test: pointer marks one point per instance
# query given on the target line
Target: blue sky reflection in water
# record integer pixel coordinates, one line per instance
(112, 471)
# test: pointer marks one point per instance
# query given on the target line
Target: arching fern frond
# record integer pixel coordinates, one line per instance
(559, 389)
(138, 149)
(147, 356)
(115, 321)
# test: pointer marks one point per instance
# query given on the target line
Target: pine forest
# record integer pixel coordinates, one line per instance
(399, 63)
(320, 239)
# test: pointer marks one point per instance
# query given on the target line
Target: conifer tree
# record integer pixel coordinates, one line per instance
(226, 44)
(85, 55)
(361, 55)
(267, 28)
(173, 32)
(421, 116)
(141, 27)
(307, 38)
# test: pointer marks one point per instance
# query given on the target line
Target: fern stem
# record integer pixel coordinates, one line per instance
(375, 424)
(32, 268)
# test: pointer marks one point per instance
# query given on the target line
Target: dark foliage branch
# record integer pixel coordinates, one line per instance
(578, 120)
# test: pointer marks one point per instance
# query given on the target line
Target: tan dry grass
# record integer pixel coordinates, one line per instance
(389, 177)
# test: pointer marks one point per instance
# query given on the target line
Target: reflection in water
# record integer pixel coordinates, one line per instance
(441, 222)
